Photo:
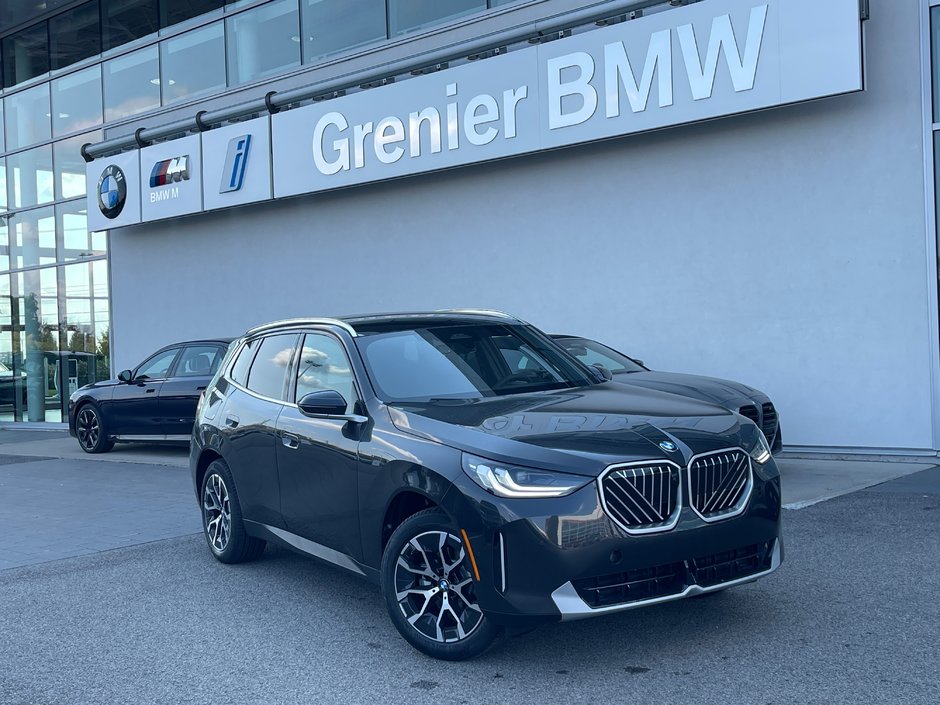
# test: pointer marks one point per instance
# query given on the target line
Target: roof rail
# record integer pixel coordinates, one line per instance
(480, 312)
(290, 322)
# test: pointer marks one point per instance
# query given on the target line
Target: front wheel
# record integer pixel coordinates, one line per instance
(91, 432)
(430, 589)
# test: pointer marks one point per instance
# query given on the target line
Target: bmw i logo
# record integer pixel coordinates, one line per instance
(668, 446)
(112, 191)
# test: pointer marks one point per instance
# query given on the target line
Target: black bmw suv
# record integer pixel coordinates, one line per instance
(487, 479)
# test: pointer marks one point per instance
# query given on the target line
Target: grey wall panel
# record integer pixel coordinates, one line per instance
(785, 249)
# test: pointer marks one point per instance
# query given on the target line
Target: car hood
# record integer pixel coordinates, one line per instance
(726, 393)
(580, 430)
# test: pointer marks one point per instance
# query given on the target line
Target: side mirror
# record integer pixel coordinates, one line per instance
(604, 372)
(326, 402)
(126, 376)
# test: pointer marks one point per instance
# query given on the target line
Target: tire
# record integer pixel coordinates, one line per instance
(436, 586)
(222, 518)
(90, 430)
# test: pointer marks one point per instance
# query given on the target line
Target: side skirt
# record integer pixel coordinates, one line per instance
(307, 547)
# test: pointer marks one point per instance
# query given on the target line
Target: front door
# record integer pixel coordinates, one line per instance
(134, 408)
(318, 458)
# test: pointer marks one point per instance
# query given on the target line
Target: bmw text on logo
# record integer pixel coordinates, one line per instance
(112, 191)
(236, 159)
(168, 173)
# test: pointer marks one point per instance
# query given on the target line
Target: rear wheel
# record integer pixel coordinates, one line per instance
(222, 518)
(90, 430)
(430, 591)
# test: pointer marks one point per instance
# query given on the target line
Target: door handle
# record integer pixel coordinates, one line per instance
(290, 440)
(150, 391)
(201, 389)
(231, 421)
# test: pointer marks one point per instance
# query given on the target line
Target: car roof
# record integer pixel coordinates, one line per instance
(221, 341)
(373, 322)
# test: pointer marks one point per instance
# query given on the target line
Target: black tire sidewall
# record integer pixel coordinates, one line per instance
(475, 644)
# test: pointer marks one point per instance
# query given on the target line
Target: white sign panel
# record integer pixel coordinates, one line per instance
(236, 164)
(699, 62)
(113, 190)
(171, 179)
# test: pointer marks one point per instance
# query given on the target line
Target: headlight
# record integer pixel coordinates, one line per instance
(510, 481)
(761, 451)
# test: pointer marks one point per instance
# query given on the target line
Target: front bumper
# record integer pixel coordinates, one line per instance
(546, 559)
(571, 605)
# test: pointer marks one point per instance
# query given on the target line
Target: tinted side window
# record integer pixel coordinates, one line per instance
(269, 370)
(239, 373)
(157, 366)
(324, 365)
(199, 361)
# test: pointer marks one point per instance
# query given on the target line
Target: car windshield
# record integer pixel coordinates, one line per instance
(591, 352)
(465, 361)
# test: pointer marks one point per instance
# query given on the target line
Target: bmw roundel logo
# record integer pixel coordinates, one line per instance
(112, 191)
(668, 446)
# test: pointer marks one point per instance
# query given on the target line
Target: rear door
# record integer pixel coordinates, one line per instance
(248, 419)
(180, 392)
(134, 406)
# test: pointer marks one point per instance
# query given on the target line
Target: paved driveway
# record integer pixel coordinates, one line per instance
(112, 597)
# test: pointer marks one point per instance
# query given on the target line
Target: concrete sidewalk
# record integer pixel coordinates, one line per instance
(56, 444)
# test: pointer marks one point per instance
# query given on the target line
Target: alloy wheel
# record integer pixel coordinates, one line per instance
(434, 587)
(217, 512)
(88, 428)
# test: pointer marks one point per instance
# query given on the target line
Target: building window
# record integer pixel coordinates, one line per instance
(28, 117)
(193, 63)
(175, 11)
(75, 35)
(263, 41)
(330, 26)
(2, 138)
(123, 21)
(29, 178)
(26, 54)
(76, 101)
(132, 84)
(32, 238)
(70, 166)
(72, 228)
(3, 191)
(409, 15)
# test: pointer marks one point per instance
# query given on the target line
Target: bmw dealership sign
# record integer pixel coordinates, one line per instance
(704, 61)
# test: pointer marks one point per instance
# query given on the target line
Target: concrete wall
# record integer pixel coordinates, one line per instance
(785, 249)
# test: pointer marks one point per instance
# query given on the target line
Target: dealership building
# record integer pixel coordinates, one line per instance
(737, 188)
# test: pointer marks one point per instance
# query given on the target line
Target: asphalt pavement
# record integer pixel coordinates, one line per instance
(851, 617)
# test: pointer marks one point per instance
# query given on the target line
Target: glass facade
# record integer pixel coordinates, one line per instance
(68, 77)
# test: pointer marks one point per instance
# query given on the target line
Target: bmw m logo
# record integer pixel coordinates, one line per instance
(668, 446)
(112, 191)
(169, 171)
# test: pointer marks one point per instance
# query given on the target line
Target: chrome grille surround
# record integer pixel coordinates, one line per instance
(644, 497)
(720, 483)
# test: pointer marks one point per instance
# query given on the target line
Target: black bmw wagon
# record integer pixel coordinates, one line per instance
(482, 475)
